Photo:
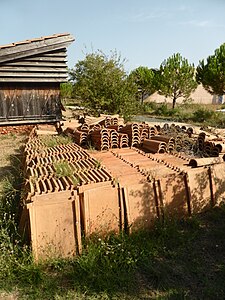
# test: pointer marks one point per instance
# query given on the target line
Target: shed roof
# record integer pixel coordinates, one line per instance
(36, 60)
(34, 46)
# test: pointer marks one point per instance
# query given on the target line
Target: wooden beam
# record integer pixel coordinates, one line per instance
(33, 64)
(31, 69)
(43, 44)
(42, 58)
(55, 54)
(27, 74)
(36, 63)
(40, 79)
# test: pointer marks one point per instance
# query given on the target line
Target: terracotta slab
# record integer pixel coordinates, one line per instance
(55, 225)
(100, 210)
(140, 206)
(120, 170)
(173, 195)
(218, 182)
(199, 185)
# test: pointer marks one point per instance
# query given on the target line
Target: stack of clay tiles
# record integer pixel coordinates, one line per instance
(175, 138)
(105, 133)
(79, 134)
(133, 132)
(61, 184)
(207, 147)
(154, 185)
(71, 192)
(101, 136)
(100, 139)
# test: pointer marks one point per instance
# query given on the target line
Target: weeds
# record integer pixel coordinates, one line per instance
(62, 168)
(159, 262)
(187, 112)
(202, 115)
(98, 164)
(90, 147)
(55, 140)
(7, 136)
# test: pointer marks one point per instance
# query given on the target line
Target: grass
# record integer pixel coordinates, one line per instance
(197, 114)
(55, 140)
(177, 259)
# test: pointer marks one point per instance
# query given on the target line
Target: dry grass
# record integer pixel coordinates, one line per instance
(9, 145)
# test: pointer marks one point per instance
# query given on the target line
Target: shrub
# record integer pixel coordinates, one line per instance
(164, 110)
(148, 107)
(202, 115)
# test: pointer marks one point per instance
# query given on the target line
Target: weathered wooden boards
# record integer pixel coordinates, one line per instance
(35, 60)
(30, 75)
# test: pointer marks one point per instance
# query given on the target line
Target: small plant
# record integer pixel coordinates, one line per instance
(164, 110)
(202, 115)
(116, 181)
(76, 180)
(97, 164)
(55, 140)
(148, 107)
(62, 168)
(90, 147)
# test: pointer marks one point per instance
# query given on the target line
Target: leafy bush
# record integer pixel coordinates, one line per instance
(148, 107)
(66, 90)
(103, 86)
(164, 110)
(202, 115)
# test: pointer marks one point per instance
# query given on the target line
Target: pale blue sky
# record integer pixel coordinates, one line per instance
(145, 32)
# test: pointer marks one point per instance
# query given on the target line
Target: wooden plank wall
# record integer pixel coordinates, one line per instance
(45, 67)
(29, 101)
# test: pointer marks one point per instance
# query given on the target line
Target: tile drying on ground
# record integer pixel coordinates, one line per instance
(141, 173)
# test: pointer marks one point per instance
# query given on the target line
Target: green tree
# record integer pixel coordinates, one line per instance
(144, 79)
(66, 90)
(212, 72)
(102, 84)
(176, 78)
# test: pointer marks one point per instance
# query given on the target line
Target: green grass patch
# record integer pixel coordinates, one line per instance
(55, 140)
(197, 114)
(176, 259)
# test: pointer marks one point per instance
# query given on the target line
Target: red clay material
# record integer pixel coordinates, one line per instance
(52, 220)
(100, 209)
(200, 162)
(140, 206)
(119, 189)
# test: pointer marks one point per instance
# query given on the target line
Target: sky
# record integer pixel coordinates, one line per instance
(143, 32)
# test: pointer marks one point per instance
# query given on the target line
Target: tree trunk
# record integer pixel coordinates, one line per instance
(142, 98)
(174, 102)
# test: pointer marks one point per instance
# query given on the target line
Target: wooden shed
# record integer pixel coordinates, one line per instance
(30, 75)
